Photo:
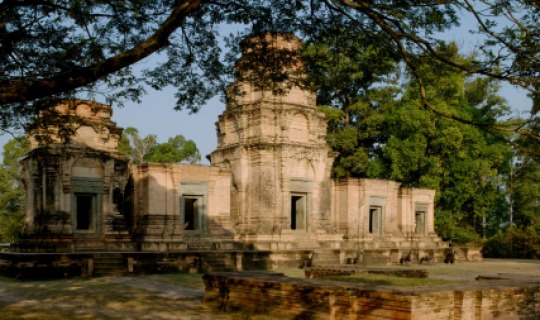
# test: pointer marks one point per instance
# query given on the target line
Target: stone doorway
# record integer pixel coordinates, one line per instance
(298, 212)
(85, 212)
(420, 222)
(192, 212)
(375, 220)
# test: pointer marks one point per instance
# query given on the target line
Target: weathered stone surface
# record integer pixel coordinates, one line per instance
(293, 298)
(75, 183)
(268, 187)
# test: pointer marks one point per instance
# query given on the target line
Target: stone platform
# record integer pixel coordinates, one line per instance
(293, 298)
(26, 265)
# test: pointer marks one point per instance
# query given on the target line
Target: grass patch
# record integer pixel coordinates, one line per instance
(188, 280)
(291, 272)
(386, 280)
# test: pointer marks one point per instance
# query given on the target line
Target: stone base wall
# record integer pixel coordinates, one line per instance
(69, 244)
(293, 298)
(395, 256)
(44, 265)
(59, 265)
(151, 257)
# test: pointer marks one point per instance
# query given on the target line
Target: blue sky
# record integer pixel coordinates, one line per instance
(156, 114)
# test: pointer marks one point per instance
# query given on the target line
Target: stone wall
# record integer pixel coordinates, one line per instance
(78, 122)
(74, 179)
(293, 298)
(159, 195)
(44, 265)
(268, 188)
(381, 214)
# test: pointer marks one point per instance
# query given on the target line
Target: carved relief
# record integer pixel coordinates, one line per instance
(277, 187)
(299, 128)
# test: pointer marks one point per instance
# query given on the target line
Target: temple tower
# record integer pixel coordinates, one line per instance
(74, 178)
(272, 139)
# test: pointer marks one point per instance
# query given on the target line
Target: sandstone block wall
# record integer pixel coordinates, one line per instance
(292, 298)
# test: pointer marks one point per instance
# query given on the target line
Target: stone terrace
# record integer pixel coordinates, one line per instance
(294, 298)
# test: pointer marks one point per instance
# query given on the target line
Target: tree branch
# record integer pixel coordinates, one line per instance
(397, 36)
(23, 90)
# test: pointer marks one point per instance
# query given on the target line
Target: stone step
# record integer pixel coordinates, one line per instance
(109, 263)
(323, 257)
(104, 256)
(218, 262)
(200, 246)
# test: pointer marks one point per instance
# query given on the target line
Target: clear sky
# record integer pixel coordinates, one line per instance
(156, 114)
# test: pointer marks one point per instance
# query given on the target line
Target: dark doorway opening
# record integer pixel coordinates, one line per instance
(191, 214)
(85, 212)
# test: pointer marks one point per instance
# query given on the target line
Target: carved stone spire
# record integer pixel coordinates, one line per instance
(77, 122)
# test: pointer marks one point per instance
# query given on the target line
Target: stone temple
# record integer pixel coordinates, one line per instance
(266, 200)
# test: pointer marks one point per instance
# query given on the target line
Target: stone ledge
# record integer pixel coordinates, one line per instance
(295, 298)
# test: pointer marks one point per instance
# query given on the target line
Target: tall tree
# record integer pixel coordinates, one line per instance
(175, 150)
(349, 71)
(12, 197)
(135, 148)
(59, 49)
(462, 162)
(139, 150)
(524, 188)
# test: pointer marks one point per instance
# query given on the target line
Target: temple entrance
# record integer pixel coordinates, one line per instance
(84, 212)
(420, 214)
(419, 222)
(192, 212)
(298, 212)
(375, 220)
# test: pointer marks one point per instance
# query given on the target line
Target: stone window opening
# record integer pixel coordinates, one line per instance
(419, 222)
(375, 220)
(86, 204)
(85, 209)
(298, 212)
(420, 214)
(192, 212)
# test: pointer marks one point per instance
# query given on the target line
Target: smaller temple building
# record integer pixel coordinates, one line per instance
(267, 195)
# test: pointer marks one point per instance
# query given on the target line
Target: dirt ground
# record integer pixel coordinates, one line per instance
(173, 296)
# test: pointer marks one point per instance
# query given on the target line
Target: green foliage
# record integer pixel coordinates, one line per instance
(388, 136)
(524, 189)
(449, 226)
(346, 69)
(12, 197)
(176, 149)
(139, 150)
(513, 243)
(461, 162)
(134, 147)
(64, 49)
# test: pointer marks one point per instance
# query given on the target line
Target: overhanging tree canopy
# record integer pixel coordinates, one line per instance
(57, 49)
